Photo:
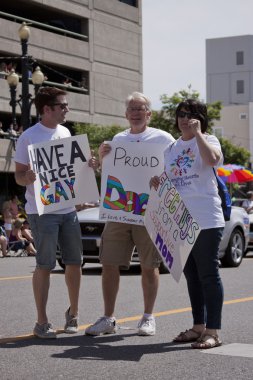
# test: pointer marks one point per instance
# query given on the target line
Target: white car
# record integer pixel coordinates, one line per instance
(238, 202)
(232, 248)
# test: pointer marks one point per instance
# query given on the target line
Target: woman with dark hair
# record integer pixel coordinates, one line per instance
(189, 164)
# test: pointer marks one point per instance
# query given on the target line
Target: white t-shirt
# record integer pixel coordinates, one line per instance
(150, 135)
(36, 134)
(195, 181)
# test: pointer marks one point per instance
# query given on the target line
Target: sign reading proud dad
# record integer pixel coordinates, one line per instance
(63, 177)
(170, 226)
(126, 172)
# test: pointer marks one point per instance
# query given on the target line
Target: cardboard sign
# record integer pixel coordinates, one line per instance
(170, 226)
(63, 177)
(126, 172)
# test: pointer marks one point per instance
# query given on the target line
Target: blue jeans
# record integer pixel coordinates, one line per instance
(203, 279)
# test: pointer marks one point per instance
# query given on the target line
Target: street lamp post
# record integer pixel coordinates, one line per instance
(25, 99)
(13, 80)
(24, 34)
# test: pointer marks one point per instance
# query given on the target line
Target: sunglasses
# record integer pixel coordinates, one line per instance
(189, 115)
(62, 105)
(137, 109)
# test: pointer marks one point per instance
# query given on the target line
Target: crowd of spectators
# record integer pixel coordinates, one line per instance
(12, 132)
(15, 232)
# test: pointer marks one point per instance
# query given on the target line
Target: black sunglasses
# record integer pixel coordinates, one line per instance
(189, 115)
(62, 105)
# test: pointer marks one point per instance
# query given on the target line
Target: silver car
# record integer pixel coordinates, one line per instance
(232, 248)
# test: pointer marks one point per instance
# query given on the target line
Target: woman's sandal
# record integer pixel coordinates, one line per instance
(187, 336)
(207, 341)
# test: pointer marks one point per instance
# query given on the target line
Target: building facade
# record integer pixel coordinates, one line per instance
(229, 70)
(229, 79)
(92, 46)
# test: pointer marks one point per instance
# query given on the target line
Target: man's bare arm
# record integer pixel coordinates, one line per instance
(24, 175)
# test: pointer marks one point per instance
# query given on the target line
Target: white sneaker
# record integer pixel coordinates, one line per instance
(147, 326)
(102, 326)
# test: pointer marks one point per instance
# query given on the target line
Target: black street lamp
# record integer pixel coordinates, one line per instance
(25, 99)
(13, 80)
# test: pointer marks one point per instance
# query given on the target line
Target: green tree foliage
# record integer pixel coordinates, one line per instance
(234, 154)
(165, 119)
(96, 133)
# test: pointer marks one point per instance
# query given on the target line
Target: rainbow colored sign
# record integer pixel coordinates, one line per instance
(126, 172)
(63, 177)
(170, 226)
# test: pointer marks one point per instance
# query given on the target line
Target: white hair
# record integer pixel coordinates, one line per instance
(138, 96)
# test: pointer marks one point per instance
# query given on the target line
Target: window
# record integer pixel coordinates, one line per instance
(239, 58)
(243, 116)
(240, 86)
(46, 17)
(134, 3)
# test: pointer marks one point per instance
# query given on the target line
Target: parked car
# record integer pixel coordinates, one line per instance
(232, 248)
(238, 202)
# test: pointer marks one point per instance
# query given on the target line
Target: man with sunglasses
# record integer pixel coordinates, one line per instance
(48, 229)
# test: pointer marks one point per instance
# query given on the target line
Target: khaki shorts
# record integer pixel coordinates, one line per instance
(118, 241)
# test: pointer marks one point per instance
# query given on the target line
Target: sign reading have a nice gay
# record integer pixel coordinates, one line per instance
(63, 177)
(126, 172)
(170, 226)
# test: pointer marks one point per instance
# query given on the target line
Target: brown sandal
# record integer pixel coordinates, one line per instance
(187, 336)
(207, 341)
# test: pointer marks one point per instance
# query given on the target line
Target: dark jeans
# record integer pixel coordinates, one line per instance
(203, 279)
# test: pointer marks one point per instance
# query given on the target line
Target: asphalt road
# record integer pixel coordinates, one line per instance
(124, 355)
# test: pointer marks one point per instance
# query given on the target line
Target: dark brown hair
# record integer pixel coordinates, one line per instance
(47, 96)
(198, 110)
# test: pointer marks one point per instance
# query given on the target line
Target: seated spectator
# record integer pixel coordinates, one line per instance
(19, 241)
(3, 70)
(248, 203)
(11, 131)
(7, 217)
(26, 231)
(15, 206)
(67, 82)
(2, 132)
(3, 242)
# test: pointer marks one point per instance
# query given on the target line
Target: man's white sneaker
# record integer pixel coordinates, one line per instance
(147, 326)
(102, 326)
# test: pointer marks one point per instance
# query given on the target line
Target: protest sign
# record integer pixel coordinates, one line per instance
(63, 177)
(170, 226)
(126, 172)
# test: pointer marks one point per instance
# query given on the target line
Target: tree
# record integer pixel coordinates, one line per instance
(97, 133)
(234, 154)
(165, 119)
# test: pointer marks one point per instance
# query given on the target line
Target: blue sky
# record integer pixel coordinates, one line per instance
(174, 34)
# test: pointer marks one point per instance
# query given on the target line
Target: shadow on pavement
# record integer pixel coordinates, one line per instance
(101, 348)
